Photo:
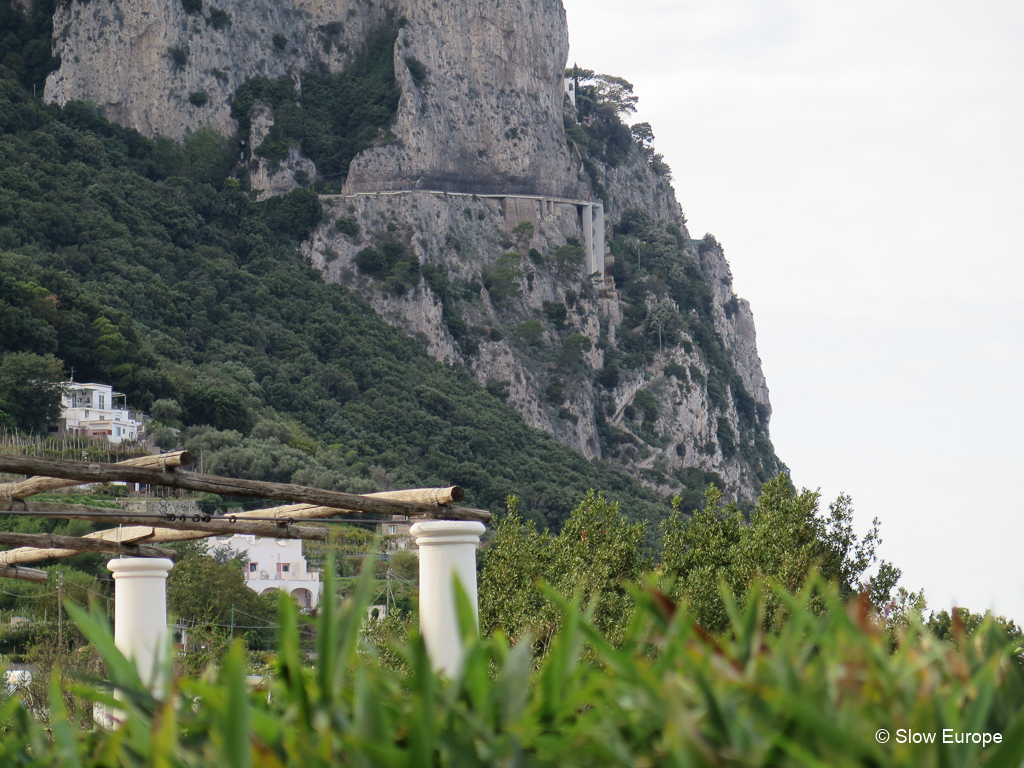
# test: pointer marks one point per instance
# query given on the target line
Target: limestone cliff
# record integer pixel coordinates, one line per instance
(481, 82)
(143, 61)
(483, 114)
(566, 394)
(463, 226)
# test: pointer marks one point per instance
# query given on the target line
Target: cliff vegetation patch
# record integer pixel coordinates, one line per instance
(25, 47)
(335, 117)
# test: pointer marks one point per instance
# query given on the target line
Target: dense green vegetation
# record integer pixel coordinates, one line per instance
(119, 257)
(25, 48)
(336, 116)
(598, 553)
(667, 694)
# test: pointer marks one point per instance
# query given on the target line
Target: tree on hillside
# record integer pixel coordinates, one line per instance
(30, 388)
(786, 540)
(599, 552)
(596, 554)
(596, 91)
(205, 592)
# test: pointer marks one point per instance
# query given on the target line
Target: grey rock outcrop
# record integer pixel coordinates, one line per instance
(142, 61)
(481, 104)
(480, 82)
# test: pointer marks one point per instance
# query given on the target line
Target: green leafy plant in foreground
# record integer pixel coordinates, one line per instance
(669, 695)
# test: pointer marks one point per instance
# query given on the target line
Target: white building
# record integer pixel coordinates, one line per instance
(92, 410)
(278, 564)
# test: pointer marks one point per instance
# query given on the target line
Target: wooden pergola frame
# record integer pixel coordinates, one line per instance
(137, 533)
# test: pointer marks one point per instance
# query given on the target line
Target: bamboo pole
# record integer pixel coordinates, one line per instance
(160, 531)
(168, 531)
(451, 495)
(24, 574)
(442, 496)
(33, 485)
(84, 472)
(75, 544)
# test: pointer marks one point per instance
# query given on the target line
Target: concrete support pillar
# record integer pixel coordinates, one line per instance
(599, 236)
(587, 215)
(447, 552)
(140, 612)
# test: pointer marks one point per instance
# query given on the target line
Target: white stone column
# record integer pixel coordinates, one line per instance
(599, 235)
(447, 552)
(140, 612)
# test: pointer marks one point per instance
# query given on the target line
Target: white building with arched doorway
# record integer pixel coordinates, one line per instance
(278, 564)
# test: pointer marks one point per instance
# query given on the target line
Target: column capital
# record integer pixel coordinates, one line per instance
(434, 532)
(140, 567)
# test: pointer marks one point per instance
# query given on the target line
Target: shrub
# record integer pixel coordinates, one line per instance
(453, 321)
(646, 402)
(192, 6)
(502, 279)
(574, 348)
(498, 389)
(530, 332)
(392, 263)
(198, 98)
(370, 261)
(726, 438)
(569, 258)
(179, 56)
(347, 226)
(676, 371)
(218, 18)
(608, 377)
(556, 313)
(280, 41)
(417, 69)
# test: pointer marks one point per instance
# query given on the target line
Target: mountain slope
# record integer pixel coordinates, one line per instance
(119, 259)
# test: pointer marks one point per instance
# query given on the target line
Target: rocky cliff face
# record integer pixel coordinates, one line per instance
(453, 230)
(144, 61)
(540, 370)
(481, 106)
(480, 82)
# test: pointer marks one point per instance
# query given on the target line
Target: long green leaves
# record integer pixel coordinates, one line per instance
(665, 694)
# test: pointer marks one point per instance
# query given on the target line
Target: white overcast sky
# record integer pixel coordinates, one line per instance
(863, 164)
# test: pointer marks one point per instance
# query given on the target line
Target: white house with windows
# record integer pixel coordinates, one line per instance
(278, 564)
(96, 410)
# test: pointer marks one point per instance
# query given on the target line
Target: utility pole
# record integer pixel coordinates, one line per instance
(60, 610)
